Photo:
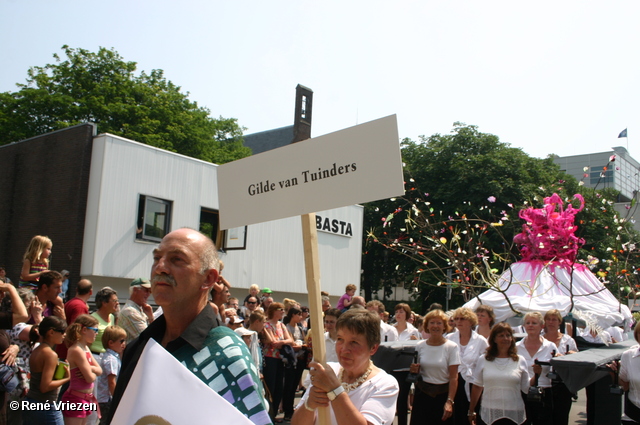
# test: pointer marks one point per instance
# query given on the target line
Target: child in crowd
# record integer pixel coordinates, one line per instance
(346, 299)
(84, 369)
(114, 339)
(35, 261)
(254, 290)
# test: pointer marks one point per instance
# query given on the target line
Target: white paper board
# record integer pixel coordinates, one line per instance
(354, 165)
(163, 391)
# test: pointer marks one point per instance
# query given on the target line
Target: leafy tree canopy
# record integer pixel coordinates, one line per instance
(459, 215)
(103, 88)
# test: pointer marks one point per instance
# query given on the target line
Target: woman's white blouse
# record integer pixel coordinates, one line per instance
(407, 333)
(469, 357)
(630, 372)
(375, 399)
(543, 354)
(503, 381)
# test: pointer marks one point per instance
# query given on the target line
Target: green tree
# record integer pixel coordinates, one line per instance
(459, 215)
(103, 88)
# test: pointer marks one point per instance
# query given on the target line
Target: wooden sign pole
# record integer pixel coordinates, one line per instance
(302, 131)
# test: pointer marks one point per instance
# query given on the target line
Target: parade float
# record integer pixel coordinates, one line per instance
(548, 276)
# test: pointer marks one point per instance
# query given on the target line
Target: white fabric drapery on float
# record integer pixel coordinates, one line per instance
(547, 277)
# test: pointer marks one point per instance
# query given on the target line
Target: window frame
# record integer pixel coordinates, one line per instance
(141, 225)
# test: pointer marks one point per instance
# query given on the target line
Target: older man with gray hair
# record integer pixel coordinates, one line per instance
(136, 314)
(185, 268)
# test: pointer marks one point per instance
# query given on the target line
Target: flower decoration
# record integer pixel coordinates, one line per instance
(549, 232)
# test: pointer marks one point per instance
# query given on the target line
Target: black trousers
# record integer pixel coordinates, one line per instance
(291, 379)
(402, 405)
(273, 371)
(539, 413)
(461, 407)
(562, 400)
(428, 410)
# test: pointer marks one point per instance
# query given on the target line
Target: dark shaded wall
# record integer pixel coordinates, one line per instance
(44, 185)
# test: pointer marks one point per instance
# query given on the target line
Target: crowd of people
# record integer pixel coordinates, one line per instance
(468, 369)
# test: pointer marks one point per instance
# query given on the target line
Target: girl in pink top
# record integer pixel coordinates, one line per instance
(35, 260)
(84, 369)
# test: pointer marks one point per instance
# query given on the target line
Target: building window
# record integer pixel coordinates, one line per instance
(154, 218)
(210, 225)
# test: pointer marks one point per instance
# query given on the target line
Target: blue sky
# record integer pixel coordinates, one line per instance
(548, 77)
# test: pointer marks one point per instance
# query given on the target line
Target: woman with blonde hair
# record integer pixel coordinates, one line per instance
(80, 335)
(562, 397)
(35, 261)
(534, 347)
(472, 346)
(438, 361)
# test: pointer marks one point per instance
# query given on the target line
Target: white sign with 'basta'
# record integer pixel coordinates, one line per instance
(355, 165)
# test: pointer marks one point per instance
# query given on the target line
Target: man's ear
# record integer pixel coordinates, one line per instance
(210, 279)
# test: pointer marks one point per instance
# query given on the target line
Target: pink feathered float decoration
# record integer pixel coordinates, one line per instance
(548, 233)
(547, 277)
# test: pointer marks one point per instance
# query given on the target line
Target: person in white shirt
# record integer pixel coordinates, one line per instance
(501, 377)
(354, 390)
(472, 346)
(562, 397)
(438, 361)
(330, 319)
(387, 332)
(630, 377)
(534, 347)
(406, 331)
(595, 337)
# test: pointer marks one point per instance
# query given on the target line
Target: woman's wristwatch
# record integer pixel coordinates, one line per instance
(335, 393)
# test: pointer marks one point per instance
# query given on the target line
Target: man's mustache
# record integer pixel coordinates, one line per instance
(165, 278)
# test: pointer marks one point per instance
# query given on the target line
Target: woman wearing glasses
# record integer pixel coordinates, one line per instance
(273, 365)
(43, 363)
(80, 335)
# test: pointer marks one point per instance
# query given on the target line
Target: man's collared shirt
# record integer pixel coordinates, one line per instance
(133, 320)
(194, 335)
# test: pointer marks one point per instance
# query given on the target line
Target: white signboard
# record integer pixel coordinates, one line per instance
(354, 165)
(163, 391)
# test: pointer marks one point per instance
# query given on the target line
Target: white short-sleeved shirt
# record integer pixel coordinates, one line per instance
(435, 360)
(544, 354)
(630, 372)
(503, 380)
(375, 398)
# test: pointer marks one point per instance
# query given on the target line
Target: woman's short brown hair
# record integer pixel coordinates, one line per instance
(405, 307)
(361, 322)
(489, 310)
(436, 314)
